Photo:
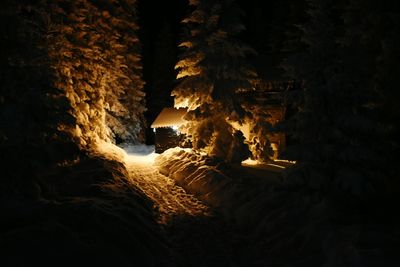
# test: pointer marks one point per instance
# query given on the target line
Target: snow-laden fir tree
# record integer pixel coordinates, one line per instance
(94, 52)
(125, 94)
(212, 69)
(341, 140)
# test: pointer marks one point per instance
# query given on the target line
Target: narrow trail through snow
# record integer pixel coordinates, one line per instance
(169, 199)
(197, 235)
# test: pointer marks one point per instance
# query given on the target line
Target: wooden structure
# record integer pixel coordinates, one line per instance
(165, 128)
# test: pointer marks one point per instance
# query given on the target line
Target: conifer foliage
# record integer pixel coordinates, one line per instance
(70, 75)
(212, 69)
(95, 54)
(31, 107)
(343, 139)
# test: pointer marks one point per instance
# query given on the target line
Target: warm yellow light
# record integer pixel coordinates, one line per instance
(244, 128)
(181, 103)
(170, 199)
(141, 159)
(250, 162)
(278, 163)
(285, 161)
(278, 166)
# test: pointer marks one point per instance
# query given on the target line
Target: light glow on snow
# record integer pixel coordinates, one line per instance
(182, 104)
(140, 154)
(169, 199)
(250, 162)
(112, 151)
(285, 161)
(244, 128)
(276, 165)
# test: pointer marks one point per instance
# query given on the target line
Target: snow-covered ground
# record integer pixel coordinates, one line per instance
(139, 150)
(180, 180)
(169, 199)
(255, 218)
(139, 154)
(215, 182)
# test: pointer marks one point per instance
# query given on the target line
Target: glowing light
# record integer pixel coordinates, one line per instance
(176, 129)
(169, 199)
(154, 130)
(139, 159)
(285, 161)
(278, 163)
(250, 161)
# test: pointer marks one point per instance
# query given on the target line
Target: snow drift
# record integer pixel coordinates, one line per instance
(281, 226)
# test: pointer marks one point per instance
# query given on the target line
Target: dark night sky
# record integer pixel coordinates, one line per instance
(266, 22)
(158, 66)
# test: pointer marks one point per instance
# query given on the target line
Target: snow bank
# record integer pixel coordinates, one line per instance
(236, 189)
(268, 219)
(126, 153)
(87, 213)
(195, 172)
(292, 226)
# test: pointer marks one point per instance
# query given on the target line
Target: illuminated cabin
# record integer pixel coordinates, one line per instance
(166, 126)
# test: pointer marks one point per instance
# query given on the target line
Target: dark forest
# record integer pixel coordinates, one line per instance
(199, 133)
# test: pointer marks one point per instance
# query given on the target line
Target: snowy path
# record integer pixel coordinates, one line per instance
(169, 199)
(197, 235)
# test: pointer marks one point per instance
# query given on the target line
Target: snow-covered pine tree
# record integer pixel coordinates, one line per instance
(339, 136)
(125, 113)
(212, 70)
(95, 55)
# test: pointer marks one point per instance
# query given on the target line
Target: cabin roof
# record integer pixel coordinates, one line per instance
(169, 117)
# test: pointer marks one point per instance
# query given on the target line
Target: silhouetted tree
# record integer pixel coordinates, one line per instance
(341, 139)
(33, 112)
